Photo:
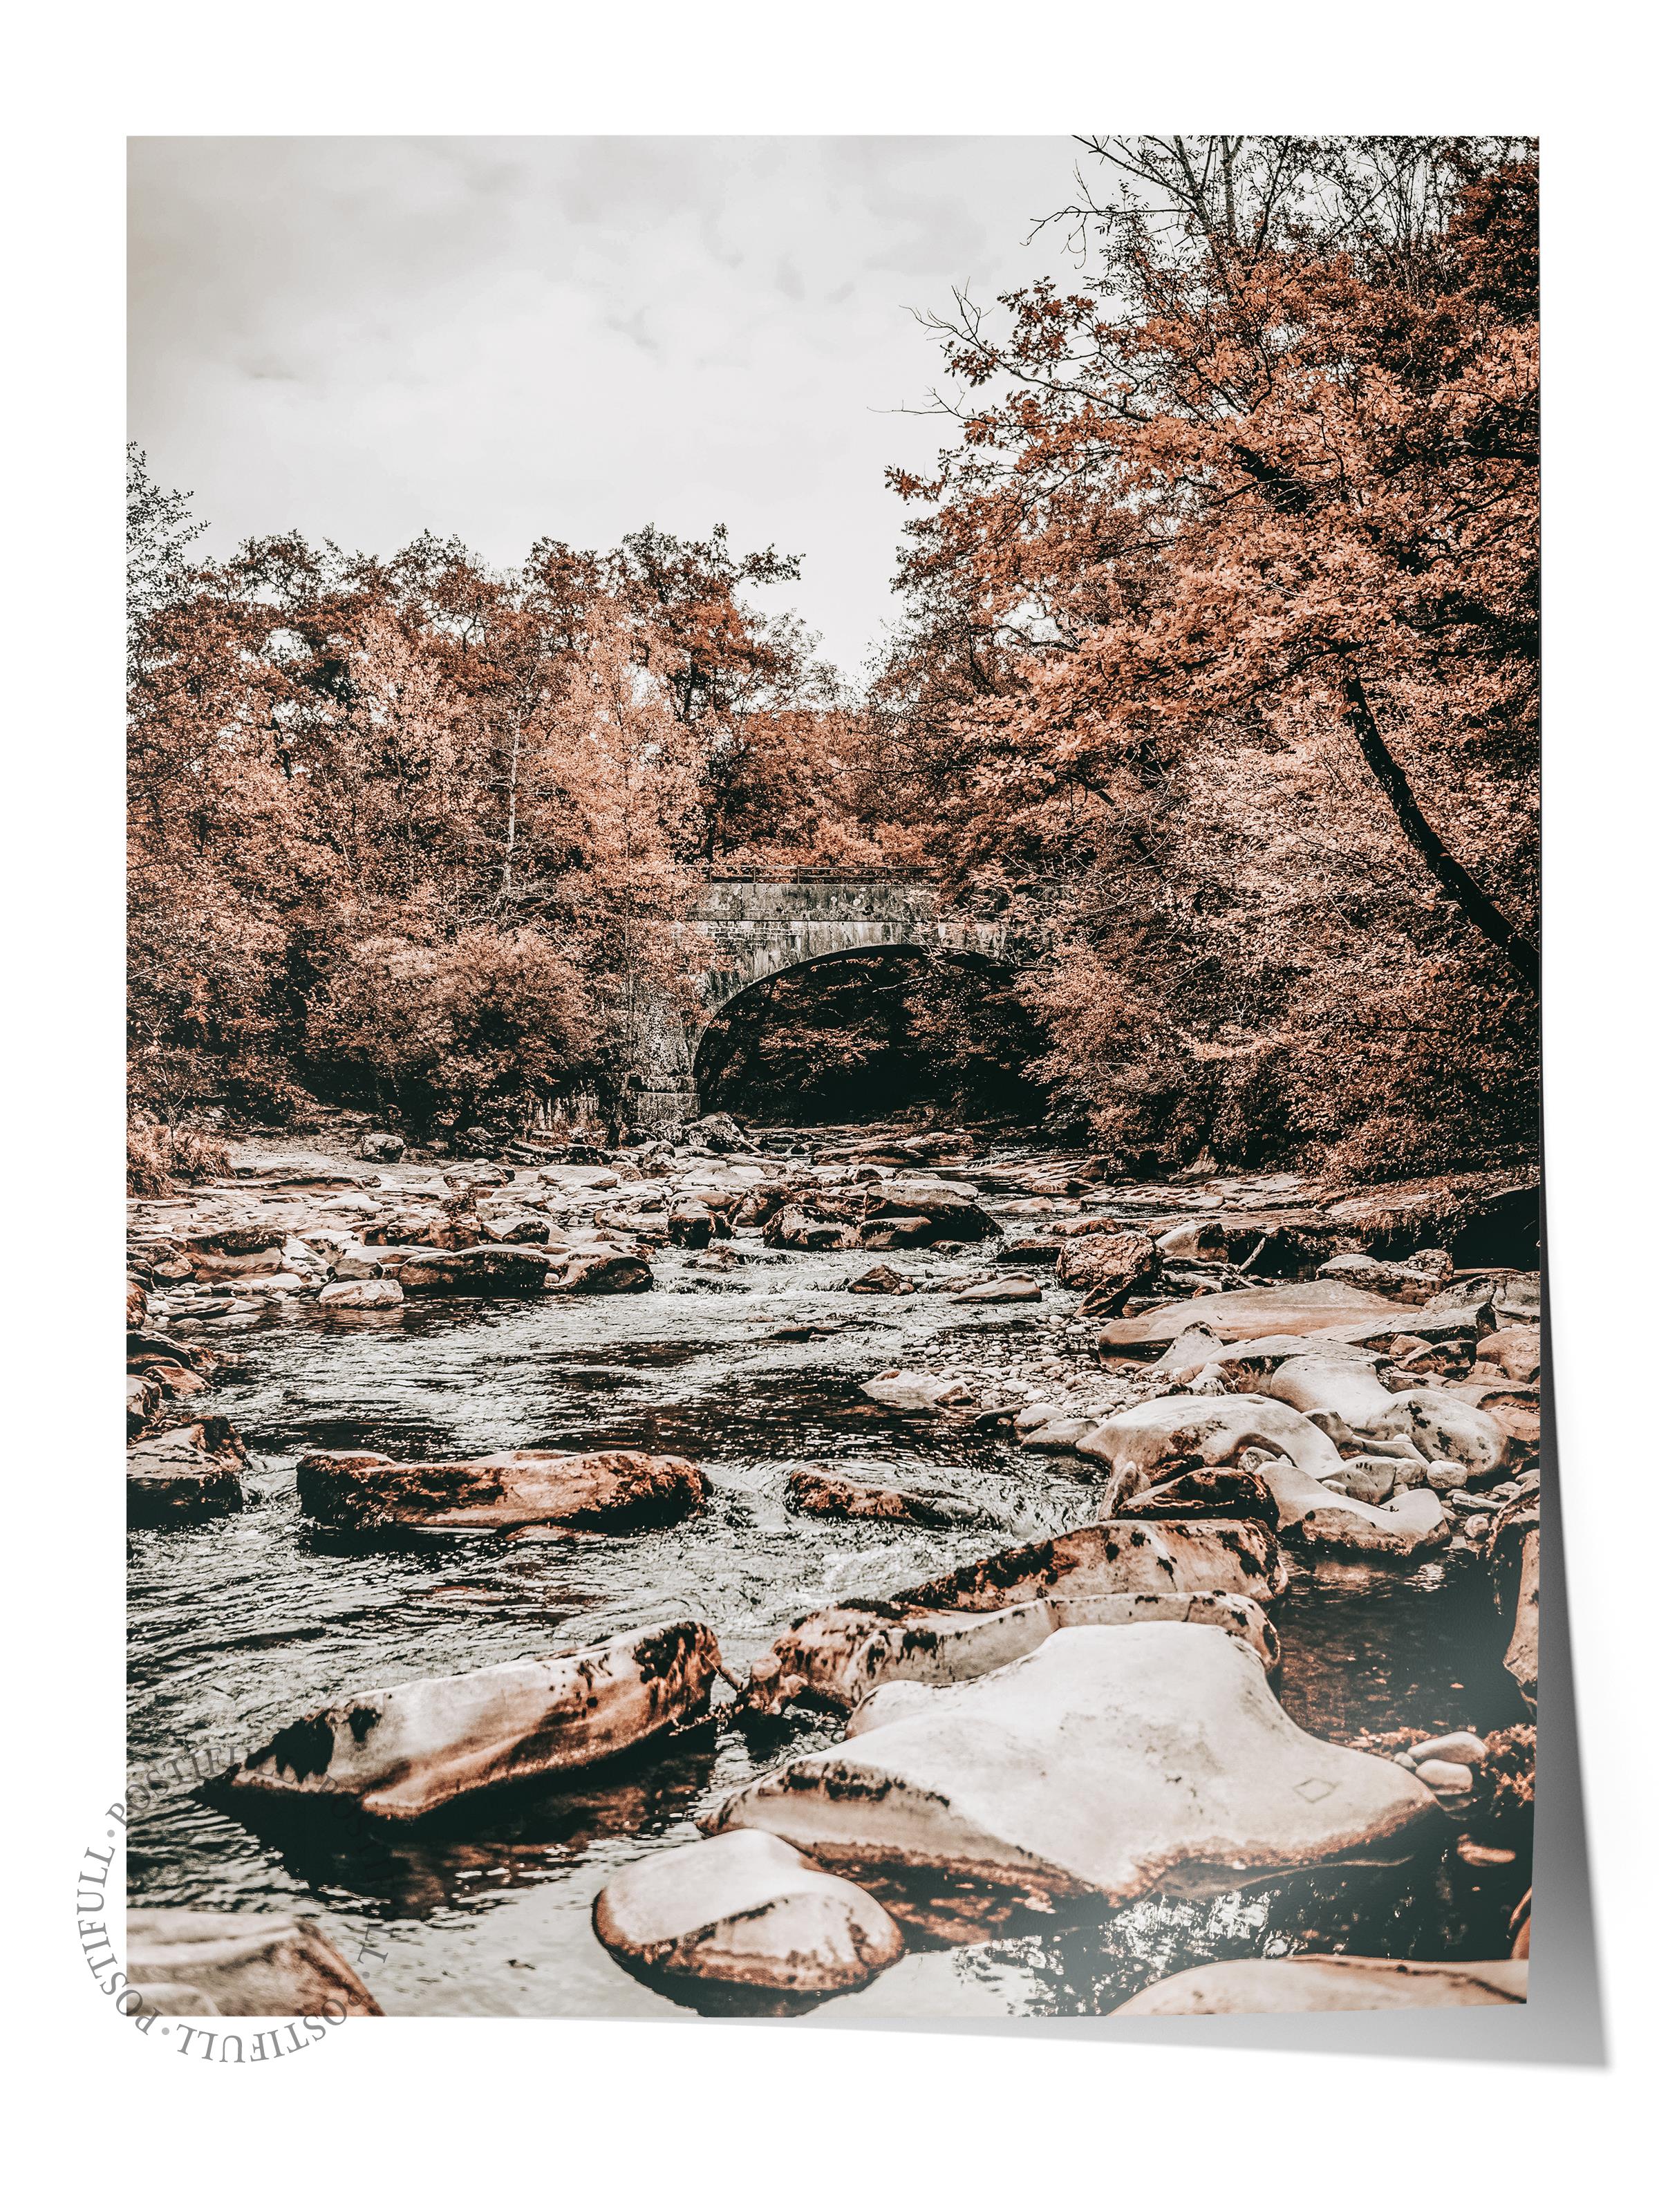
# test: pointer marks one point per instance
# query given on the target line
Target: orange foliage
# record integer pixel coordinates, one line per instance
(1222, 659)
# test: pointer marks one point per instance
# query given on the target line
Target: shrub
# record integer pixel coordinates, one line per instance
(161, 1155)
(483, 1024)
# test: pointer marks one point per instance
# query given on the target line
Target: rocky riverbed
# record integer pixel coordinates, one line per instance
(890, 1574)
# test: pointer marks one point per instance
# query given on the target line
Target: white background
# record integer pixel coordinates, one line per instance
(619, 2114)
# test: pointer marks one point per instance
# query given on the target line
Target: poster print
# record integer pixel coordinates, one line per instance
(833, 1289)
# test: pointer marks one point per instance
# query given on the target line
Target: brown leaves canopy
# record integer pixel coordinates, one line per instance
(422, 832)
(1281, 438)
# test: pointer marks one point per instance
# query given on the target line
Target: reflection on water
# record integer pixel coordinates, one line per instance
(239, 1627)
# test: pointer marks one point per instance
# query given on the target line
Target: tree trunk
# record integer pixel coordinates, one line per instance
(1464, 892)
(506, 891)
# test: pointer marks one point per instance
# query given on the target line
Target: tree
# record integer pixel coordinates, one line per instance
(744, 681)
(1282, 450)
(160, 531)
(1251, 509)
(381, 802)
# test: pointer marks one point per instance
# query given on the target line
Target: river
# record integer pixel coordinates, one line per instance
(240, 1626)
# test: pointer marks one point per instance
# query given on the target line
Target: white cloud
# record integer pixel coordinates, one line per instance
(362, 339)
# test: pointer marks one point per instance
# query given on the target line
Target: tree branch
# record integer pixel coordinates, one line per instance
(1465, 893)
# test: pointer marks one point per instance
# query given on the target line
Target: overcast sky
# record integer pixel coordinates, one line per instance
(507, 337)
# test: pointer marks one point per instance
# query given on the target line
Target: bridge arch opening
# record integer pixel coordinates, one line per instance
(871, 1032)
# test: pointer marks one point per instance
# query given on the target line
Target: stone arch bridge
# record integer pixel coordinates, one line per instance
(759, 929)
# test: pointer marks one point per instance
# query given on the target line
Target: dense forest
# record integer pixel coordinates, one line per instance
(1214, 671)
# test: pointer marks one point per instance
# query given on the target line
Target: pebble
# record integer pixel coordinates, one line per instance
(1483, 1855)
(1462, 1747)
(1443, 1778)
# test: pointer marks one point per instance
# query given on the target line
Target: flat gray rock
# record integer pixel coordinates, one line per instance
(1005, 1291)
(1285, 1309)
(910, 1391)
(1107, 1762)
(616, 1491)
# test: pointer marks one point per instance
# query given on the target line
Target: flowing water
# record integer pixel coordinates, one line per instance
(240, 1626)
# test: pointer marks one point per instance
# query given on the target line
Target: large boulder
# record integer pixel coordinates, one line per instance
(401, 1753)
(690, 1224)
(422, 1230)
(1515, 1349)
(1029, 1251)
(1328, 1519)
(1001, 1291)
(356, 1263)
(1107, 1762)
(571, 1174)
(1108, 1268)
(951, 1208)
(1334, 1983)
(517, 1226)
(187, 1475)
(866, 1490)
(763, 1201)
(143, 1402)
(1428, 1423)
(601, 1270)
(1204, 1493)
(1060, 1432)
(1110, 1558)
(1337, 1382)
(172, 1378)
(792, 1229)
(1281, 1240)
(235, 1239)
(236, 1965)
(720, 1132)
(231, 1266)
(746, 1911)
(616, 1491)
(1286, 1310)
(1391, 1279)
(490, 1271)
(837, 1656)
(895, 1233)
(1513, 1406)
(1168, 1435)
(1442, 1426)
